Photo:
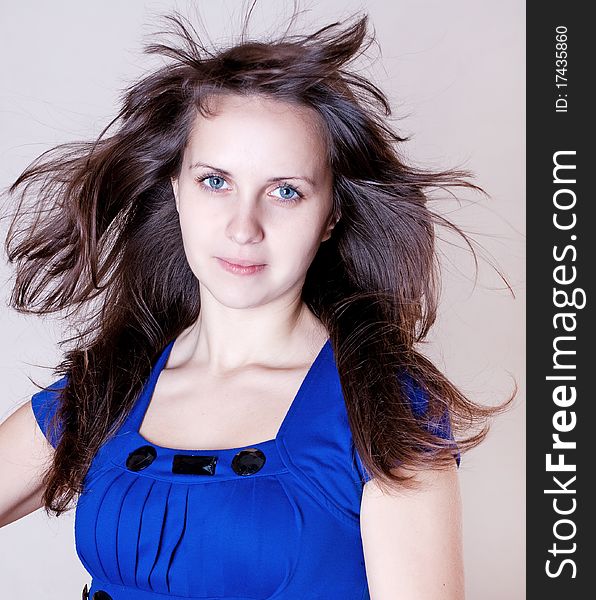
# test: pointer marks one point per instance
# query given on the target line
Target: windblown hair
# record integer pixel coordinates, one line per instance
(87, 247)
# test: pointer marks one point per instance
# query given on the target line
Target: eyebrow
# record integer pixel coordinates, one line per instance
(199, 164)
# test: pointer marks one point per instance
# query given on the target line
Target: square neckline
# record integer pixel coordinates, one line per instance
(149, 387)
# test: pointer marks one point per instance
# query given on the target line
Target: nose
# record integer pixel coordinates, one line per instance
(245, 222)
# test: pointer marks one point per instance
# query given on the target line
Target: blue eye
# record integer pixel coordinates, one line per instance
(293, 196)
(219, 181)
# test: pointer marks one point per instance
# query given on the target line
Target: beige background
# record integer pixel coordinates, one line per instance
(454, 72)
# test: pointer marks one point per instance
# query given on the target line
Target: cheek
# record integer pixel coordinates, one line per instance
(299, 244)
(197, 215)
(197, 231)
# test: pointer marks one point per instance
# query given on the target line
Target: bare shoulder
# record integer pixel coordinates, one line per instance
(24, 456)
(21, 431)
(408, 534)
(428, 481)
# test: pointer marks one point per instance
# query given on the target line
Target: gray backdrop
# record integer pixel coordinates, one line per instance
(454, 72)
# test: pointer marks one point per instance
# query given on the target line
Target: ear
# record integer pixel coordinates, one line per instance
(330, 226)
(174, 182)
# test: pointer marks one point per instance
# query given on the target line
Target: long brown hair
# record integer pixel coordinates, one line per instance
(87, 247)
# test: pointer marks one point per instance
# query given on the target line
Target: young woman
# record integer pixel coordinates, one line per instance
(243, 413)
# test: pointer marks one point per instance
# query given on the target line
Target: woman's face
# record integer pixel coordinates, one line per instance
(255, 187)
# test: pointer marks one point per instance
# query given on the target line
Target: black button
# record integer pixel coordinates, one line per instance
(140, 458)
(247, 462)
(192, 464)
(101, 595)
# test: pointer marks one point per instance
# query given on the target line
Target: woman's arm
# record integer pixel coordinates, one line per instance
(24, 453)
(413, 539)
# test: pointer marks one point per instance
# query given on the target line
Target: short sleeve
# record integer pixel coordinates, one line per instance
(44, 405)
(419, 401)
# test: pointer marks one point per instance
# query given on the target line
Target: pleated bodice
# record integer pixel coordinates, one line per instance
(278, 519)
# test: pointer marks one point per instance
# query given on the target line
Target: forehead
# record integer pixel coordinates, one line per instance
(258, 128)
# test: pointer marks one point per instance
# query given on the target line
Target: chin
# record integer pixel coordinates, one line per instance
(240, 303)
(234, 298)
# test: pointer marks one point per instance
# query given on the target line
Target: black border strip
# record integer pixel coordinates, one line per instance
(561, 269)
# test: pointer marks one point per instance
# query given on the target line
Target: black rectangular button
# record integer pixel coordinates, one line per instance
(190, 464)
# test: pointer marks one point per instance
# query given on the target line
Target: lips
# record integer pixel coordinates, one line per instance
(236, 269)
(241, 262)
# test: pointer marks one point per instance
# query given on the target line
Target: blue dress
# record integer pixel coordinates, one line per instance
(277, 519)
